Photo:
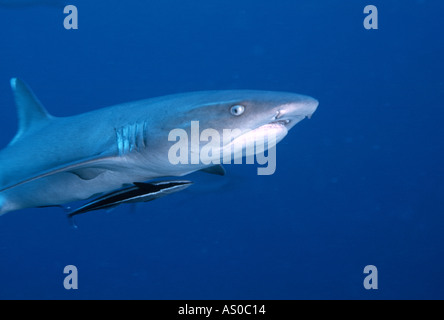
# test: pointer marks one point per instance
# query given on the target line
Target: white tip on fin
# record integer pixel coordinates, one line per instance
(30, 111)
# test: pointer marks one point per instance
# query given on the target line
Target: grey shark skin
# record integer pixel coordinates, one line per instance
(53, 161)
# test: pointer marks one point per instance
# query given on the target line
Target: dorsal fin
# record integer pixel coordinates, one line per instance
(31, 112)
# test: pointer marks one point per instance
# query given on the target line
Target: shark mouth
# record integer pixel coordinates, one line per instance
(287, 119)
(261, 138)
(284, 122)
(269, 134)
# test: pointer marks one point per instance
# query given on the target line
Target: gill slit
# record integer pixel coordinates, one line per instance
(131, 138)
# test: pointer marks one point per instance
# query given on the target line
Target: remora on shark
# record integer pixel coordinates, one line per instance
(56, 160)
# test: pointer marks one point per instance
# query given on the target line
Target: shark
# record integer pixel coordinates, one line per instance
(53, 161)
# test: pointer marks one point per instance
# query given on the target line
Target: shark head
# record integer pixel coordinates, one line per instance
(248, 110)
(215, 122)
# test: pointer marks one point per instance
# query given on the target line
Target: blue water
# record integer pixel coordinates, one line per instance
(361, 183)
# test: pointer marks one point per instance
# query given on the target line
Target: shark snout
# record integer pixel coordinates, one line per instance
(311, 106)
(306, 107)
(295, 111)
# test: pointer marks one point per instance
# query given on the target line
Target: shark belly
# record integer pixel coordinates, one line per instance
(64, 187)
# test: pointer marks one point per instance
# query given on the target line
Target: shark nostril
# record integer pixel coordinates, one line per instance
(277, 115)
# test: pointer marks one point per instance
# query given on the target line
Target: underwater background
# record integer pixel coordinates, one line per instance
(361, 183)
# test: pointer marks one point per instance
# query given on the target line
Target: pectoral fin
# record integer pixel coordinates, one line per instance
(85, 169)
(88, 173)
(217, 169)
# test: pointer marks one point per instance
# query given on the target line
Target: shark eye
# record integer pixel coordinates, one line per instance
(237, 110)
